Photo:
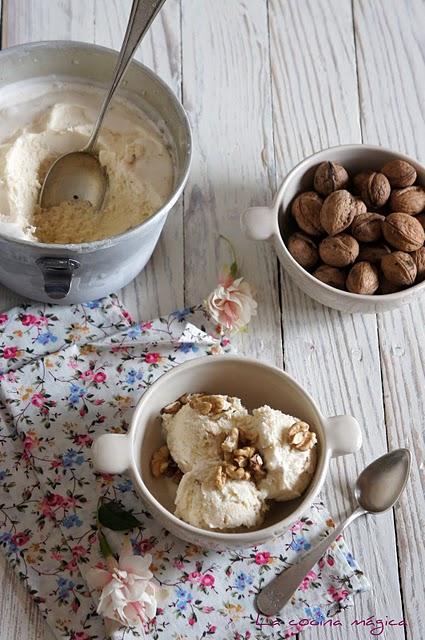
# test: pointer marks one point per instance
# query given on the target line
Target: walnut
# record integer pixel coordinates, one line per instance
(375, 190)
(237, 473)
(399, 173)
(331, 275)
(403, 232)
(306, 211)
(200, 405)
(256, 466)
(408, 200)
(230, 443)
(399, 267)
(338, 212)
(160, 461)
(218, 403)
(367, 227)
(419, 258)
(361, 178)
(339, 251)
(245, 452)
(329, 177)
(172, 408)
(359, 206)
(363, 278)
(300, 437)
(421, 218)
(220, 477)
(303, 249)
(373, 253)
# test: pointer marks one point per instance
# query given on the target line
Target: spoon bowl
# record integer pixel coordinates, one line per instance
(72, 177)
(379, 486)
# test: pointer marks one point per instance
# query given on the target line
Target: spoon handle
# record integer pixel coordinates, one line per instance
(278, 592)
(142, 14)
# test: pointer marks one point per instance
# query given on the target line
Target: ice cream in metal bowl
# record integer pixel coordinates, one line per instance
(257, 385)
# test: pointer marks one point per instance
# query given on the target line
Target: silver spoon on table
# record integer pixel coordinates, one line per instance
(79, 175)
(378, 488)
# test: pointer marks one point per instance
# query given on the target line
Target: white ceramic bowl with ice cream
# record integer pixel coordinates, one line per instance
(256, 384)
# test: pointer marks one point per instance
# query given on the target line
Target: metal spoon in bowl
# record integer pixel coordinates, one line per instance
(378, 488)
(79, 175)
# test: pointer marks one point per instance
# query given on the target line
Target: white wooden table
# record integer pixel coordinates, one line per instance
(266, 83)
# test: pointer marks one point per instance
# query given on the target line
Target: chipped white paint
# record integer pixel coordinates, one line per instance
(267, 82)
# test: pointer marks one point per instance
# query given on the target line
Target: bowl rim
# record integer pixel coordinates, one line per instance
(88, 247)
(277, 237)
(244, 537)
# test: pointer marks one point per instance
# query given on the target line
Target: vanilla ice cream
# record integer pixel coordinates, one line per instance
(201, 503)
(194, 437)
(40, 120)
(289, 470)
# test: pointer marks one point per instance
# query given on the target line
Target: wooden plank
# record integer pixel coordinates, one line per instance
(159, 289)
(390, 53)
(226, 91)
(335, 356)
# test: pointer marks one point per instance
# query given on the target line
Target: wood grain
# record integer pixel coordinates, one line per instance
(335, 356)
(226, 91)
(391, 54)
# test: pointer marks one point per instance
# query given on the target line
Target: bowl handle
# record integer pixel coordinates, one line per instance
(111, 453)
(259, 223)
(343, 435)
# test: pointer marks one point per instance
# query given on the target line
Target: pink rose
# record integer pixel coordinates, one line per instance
(86, 375)
(207, 609)
(3, 318)
(20, 539)
(191, 621)
(78, 551)
(152, 358)
(83, 439)
(297, 526)
(9, 352)
(145, 326)
(262, 557)
(56, 555)
(207, 580)
(194, 576)
(79, 635)
(231, 304)
(311, 575)
(37, 399)
(212, 629)
(28, 320)
(100, 376)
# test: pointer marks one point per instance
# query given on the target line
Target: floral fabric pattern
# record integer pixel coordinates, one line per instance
(70, 374)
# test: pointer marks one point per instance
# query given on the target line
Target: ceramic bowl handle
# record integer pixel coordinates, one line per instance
(343, 435)
(111, 453)
(259, 223)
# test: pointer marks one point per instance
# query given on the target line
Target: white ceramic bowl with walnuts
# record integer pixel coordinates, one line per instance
(277, 225)
(256, 384)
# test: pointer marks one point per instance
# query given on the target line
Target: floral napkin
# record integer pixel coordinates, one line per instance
(69, 374)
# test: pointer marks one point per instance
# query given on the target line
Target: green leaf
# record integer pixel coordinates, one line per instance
(115, 517)
(234, 269)
(105, 548)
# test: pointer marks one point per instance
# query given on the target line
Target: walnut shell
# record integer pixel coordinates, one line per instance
(331, 275)
(330, 177)
(421, 218)
(372, 253)
(419, 258)
(399, 267)
(359, 205)
(408, 200)
(367, 227)
(403, 232)
(363, 278)
(399, 173)
(361, 178)
(306, 211)
(339, 251)
(338, 212)
(303, 249)
(375, 190)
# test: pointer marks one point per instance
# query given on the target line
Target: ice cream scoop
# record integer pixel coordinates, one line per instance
(79, 175)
